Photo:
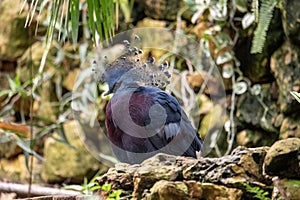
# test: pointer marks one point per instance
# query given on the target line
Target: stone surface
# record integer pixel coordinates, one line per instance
(15, 170)
(290, 126)
(70, 79)
(265, 112)
(286, 189)
(256, 67)
(154, 169)
(63, 161)
(255, 138)
(196, 80)
(212, 191)
(14, 38)
(164, 190)
(290, 20)
(185, 176)
(8, 145)
(34, 55)
(282, 159)
(161, 9)
(285, 67)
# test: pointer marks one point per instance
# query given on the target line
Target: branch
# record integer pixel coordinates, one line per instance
(22, 190)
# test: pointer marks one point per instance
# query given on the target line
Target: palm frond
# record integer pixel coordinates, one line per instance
(64, 18)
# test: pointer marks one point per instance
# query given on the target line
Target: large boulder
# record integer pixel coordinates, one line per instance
(290, 20)
(282, 159)
(164, 190)
(285, 67)
(14, 38)
(68, 160)
(182, 176)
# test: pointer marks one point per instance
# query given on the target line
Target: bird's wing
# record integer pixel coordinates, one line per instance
(177, 131)
(169, 131)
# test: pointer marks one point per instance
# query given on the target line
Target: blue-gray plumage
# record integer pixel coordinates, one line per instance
(144, 120)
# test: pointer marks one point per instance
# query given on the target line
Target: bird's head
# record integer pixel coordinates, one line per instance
(129, 70)
(114, 74)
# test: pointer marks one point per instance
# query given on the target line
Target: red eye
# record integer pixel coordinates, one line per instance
(116, 86)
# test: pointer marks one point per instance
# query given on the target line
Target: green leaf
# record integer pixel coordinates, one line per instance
(96, 187)
(13, 86)
(98, 15)
(53, 19)
(106, 187)
(91, 8)
(241, 5)
(26, 147)
(74, 20)
(8, 108)
(296, 95)
(4, 92)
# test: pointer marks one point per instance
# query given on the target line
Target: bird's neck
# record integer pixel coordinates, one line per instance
(126, 87)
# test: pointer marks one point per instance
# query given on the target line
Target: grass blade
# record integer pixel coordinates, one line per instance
(90, 6)
(74, 20)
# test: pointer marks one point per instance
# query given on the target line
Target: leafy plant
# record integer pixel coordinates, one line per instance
(88, 187)
(259, 192)
(116, 194)
(224, 11)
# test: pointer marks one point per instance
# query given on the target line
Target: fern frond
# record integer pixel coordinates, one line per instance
(265, 16)
(254, 9)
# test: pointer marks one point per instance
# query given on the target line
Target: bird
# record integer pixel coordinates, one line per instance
(141, 118)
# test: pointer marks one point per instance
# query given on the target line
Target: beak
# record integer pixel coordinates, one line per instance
(109, 91)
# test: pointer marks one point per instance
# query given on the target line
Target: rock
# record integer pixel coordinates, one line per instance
(158, 167)
(8, 147)
(197, 78)
(44, 106)
(182, 175)
(285, 67)
(290, 20)
(258, 118)
(163, 190)
(161, 9)
(257, 66)
(194, 189)
(14, 38)
(286, 189)
(210, 129)
(34, 55)
(148, 22)
(245, 112)
(119, 177)
(282, 159)
(212, 191)
(290, 127)
(15, 170)
(242, 165)
(70, 79)
(63, 161)
(255, 138)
